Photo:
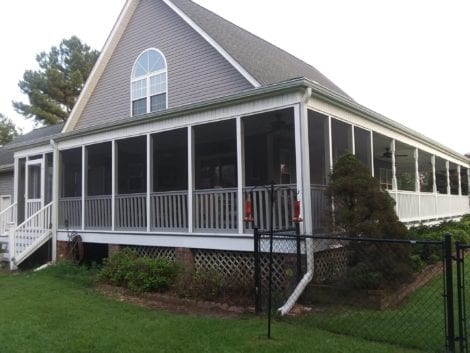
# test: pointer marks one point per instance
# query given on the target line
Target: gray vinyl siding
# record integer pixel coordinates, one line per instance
(196, 71)
(6, 183)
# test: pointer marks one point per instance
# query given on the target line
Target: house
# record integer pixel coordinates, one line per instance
(186, 116)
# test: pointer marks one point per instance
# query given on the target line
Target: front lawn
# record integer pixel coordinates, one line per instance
(48, 312)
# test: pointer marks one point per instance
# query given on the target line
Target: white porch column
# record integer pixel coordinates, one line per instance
(372, 152)
(55, 197)
(433, 163)
(448, 177)
(16, 183)
(240, 173)
(84, 183)
(353, 140)
(149, 178)
(113, 184)
(190, 179)
(417, 179)
(330, 144)
(394, 166)
(43, 180)
(460, 180)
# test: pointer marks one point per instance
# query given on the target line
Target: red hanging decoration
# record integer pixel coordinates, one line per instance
(297, 218)
(248, 212)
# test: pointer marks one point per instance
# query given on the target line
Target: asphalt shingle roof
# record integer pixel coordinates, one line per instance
(265, 62)
(39, 133)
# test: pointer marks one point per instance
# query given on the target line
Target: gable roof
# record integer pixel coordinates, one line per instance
(37, 134)
(260, 62)
(264, 61)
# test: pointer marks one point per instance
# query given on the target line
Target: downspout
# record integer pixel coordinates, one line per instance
(289, 304)
(55, 197)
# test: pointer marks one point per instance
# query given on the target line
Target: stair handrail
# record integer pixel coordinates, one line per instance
(12, 208)
(34, 214)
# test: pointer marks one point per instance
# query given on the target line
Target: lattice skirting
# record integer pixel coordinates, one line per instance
(330, 264)
(153, 251)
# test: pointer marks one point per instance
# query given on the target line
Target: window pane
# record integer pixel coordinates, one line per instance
(425, 172)
(341, 136)
(215, 150)
(464, 180)
(158, 84)
(139, 106)
(441, 176)
(270, 148)
(156, 61)
(383, 160)
(405, 166)
(158, 102)
(318, 147)
(362, 148)
(139, 89)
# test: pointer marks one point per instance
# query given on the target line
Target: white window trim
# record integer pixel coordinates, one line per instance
(147, 78)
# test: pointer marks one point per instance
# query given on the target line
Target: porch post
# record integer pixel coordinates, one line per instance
(330, 144)
(149, 178)
(190, 178)
(394, 166)
(353, 140)
(417, 181)
(460, 180)
(372, 152)
(448, 177)
(16, 173)
(302, 163)
(43, 180)
(84, 183)
(433, 163)
(113, 184)
(240, 173)
(55, 198)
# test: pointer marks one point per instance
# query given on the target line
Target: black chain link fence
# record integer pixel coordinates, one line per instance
(385, 290)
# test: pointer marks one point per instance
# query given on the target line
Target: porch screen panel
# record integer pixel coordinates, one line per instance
(319, 165)
(169, 199)
(441, 176)
(269, 146)
(215, 172)
(405, 166)
(464, 180)
(383, 160)
(341, 138)
(98, 192)
(131, 204)
(48, 182)
(70, 210)
(426, 179)
(362, 146)
(21, 190)
(454, 179)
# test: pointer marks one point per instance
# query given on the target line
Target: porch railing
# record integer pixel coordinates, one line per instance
(215, 209)
(131, 211)
(169, 210)
(7, 217)
(412, 206)
(31, 234)
(32, 206)
(98, 212)
(284, 196)
(70, 210)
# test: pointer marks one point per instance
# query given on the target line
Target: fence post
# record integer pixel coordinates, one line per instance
(449, 293)
(460, 287)
(257, 271)
(299, 252)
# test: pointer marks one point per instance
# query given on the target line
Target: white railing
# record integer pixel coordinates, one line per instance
(320, 203)
(70, 210)
(412, 206)
(131, 211)
(7, 217)
(215, 209)
(169, 210)
(98, 212)
(32, 206)
(31, 234)
(284, 196)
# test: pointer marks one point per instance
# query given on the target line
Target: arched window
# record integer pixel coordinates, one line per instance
(149, 83)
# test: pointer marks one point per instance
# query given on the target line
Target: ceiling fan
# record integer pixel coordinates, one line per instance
(388, 154)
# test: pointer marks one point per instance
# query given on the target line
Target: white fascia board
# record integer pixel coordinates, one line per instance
(214, 44)
(101, 63)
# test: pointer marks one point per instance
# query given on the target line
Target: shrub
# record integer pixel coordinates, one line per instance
(141, 274)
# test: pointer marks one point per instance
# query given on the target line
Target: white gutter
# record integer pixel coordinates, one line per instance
(308, 251)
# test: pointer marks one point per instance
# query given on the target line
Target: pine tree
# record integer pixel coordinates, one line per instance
(54, 88)
(8, 130)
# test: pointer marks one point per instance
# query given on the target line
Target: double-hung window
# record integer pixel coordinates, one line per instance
(149, 85)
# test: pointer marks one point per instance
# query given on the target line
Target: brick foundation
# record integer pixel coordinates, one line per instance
(113, 248)
(185, 257)
(63, 250)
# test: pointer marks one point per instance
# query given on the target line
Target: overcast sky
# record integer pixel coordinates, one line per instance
(408, 60)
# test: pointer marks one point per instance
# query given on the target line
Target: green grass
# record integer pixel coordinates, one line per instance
(57, 311)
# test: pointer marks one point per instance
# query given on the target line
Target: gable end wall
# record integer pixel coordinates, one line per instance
(196, 71)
